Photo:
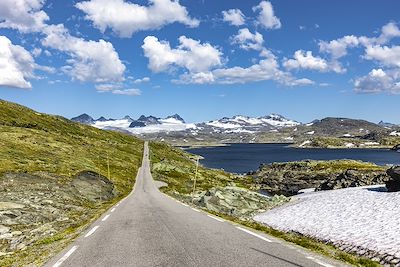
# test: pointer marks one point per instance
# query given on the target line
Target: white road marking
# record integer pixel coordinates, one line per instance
(113, 209)
(186, 205)
(117, 205)
(66, 256)
(253, 234)
(92, 231)
(320, 262)
(105, 218)
(196, 210)
(215, 218)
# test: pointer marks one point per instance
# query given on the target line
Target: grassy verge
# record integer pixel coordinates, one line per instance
(176, 168)
(53, 150)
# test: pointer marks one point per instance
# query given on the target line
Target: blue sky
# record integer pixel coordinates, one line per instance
(202, 59)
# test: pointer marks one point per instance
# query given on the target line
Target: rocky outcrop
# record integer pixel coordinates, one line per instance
(236, 201)
(289, 178)
(352, 178)
(396, 148)
(393, 184)
(36, 207)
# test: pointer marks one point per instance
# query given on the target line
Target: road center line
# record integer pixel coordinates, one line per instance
(215, 218)
(105, 218)
(253, 234)
(113, 209)
(92, 231)
(66, 256)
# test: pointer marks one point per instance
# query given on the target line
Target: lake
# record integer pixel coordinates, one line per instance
(242, 158)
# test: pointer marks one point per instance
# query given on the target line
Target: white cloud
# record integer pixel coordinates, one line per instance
(93, 61)
(234, 17)
(36, 51)
(117, 89)
(266, 69)
(387, 56)
(248, 40)
(190, 54)
(338, 48)
(378, 81)
(22, 15)
(131, 92)
(142, 80)
(306, 60)
(126, 18)
(266, 15)
(16, 65)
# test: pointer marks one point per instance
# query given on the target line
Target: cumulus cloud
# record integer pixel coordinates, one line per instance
(90, 61)
(234, 17)
(16, 65)
(125, 18)
(266, 69)
(117, 89)
(378, 81)
(387, 56)
(266, 16)
(305, 60)
(338, 48)
(247, 40)
(190, 54)
(142, 80)
(23, 15)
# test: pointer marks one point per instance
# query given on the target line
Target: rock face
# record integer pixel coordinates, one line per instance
(393, 184)
(352, 178)
(93, 186)
(288, 178)
(236, 201)
(37, 206)
(84, 119)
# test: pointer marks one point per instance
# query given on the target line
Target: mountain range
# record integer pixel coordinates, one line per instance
(245, 129)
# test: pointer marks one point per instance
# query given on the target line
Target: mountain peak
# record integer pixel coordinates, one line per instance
(83, 118)
(176, 117)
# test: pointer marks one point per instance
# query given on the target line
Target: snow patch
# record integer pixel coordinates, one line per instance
(363, 217)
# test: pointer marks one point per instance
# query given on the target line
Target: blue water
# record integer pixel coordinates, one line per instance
(242, 158)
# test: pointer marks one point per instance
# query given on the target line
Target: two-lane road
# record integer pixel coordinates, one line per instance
(150, 229)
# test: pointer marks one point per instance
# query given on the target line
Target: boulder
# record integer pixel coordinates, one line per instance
(352, 178)
(236, 201)
(393, 184)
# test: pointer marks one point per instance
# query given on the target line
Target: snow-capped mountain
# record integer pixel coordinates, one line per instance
(175, 123)
(244, 122)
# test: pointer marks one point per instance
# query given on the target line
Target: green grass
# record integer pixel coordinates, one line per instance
(37, 143)
(34, 142)
(177, 168)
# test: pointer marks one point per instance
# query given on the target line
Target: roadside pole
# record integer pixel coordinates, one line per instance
(108, 166)
(195, 176)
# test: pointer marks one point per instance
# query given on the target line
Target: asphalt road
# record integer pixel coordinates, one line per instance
(148, 228)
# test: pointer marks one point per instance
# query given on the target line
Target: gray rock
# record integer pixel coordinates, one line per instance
(4, 229)
(393, 184)
(236, 201)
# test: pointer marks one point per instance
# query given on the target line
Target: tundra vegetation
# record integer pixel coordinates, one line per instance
(54, 180)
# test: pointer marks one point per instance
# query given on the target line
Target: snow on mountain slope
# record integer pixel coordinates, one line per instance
(243, 121)
(174, 123)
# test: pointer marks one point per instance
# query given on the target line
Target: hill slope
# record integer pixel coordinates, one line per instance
(54, 176)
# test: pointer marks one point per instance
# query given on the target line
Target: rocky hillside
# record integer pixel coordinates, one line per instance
(289, 178)
(54, 180)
